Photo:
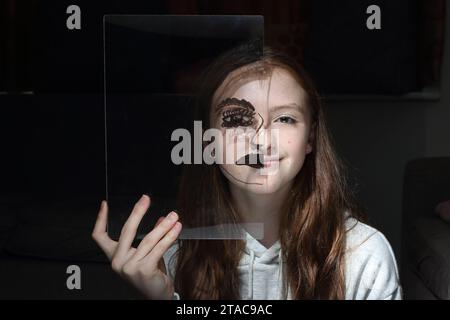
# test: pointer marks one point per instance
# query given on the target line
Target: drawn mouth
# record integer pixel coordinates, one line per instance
(254, 160)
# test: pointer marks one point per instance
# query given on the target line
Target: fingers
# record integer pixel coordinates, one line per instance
(162, 266)
(130, 227)
(159, 221)
(100, 235)
(152, 238)
(102, 219)
(163, 245)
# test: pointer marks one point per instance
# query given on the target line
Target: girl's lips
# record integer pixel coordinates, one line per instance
(258, 161)
(271, 162)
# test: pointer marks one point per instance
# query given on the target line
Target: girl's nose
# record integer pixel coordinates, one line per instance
(259, 140)
(265, 141)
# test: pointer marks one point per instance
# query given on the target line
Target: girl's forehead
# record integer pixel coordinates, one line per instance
(278, 88)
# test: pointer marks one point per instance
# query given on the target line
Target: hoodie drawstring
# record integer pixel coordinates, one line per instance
(250, 275)
(281, 293)
(280, 277)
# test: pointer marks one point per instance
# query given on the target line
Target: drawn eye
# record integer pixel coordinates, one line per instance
(236, 117)
(286, 119)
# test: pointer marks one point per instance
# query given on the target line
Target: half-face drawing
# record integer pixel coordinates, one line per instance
(241, 113)
(254, 160)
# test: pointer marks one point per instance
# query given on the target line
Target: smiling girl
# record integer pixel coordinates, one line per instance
(314, 243)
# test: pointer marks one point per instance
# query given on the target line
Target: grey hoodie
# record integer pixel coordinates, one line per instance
(370, 267)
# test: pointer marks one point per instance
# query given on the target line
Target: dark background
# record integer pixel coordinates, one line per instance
(386, 99)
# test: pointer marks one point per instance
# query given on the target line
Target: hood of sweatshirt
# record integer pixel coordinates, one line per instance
(260, 269)
(264, 268)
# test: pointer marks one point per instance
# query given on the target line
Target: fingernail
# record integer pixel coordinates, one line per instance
(177, 226)
(172, 215)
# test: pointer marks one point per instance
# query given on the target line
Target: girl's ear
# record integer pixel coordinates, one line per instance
(308, 148)
(311, 139)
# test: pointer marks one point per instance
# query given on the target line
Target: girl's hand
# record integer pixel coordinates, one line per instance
(142, 266)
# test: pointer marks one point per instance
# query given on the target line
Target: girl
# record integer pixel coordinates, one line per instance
(314, 245)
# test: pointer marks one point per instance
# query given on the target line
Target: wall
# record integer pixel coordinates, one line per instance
(378, 138)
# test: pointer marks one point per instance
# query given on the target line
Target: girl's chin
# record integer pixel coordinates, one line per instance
(260, 186)
(253, 181)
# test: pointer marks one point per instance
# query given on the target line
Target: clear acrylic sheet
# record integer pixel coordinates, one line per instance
(151, 65)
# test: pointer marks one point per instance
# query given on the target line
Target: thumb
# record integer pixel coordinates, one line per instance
(162, 266)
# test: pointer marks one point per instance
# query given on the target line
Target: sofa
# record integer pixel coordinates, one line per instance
(38, 243)
(425, 269)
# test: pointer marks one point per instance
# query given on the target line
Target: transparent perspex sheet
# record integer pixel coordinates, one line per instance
(152, 65)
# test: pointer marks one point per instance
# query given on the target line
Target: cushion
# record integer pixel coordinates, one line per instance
(57, 230)
(29, 278)
(426, 183)
(429, 251)
(62, 229)
(8, 218)
(443, 210)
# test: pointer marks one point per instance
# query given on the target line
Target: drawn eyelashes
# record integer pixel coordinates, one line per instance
(242, 113)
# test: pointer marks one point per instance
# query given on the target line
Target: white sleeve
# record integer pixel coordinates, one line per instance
(371, 268)
(170, 260)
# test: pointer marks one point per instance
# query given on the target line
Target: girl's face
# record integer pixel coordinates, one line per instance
(268, 119)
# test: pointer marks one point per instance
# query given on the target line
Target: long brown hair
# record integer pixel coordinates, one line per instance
(312, 229)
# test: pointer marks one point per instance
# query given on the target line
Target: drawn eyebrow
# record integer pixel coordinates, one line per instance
(234, 102)
(246, 104)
